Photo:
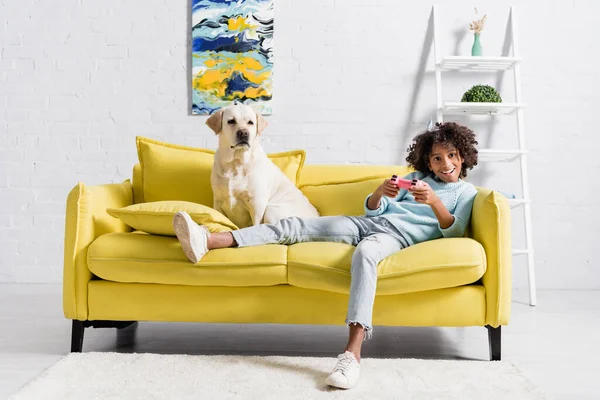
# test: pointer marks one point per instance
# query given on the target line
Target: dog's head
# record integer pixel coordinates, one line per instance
(238, 126)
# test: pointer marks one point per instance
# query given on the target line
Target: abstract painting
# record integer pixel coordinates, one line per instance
(232, 54)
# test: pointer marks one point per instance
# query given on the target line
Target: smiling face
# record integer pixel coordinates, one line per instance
(445, 162)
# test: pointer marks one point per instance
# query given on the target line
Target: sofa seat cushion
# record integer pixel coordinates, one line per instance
(137, 257)
(436, 264)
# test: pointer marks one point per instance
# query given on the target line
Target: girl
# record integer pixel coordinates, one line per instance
(394, 219)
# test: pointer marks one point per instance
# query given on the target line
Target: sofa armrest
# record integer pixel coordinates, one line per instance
(490, 226)
(86, 219)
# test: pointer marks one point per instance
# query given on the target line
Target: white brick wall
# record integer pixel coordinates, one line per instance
(79, 79)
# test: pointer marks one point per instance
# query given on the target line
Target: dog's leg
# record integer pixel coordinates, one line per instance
(217, 206)
(274, 213)
(257, 211)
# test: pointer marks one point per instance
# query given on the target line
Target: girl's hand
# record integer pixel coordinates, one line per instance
(389, 189)
(424, 194)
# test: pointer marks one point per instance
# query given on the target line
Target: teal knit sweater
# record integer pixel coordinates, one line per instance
(416, 221)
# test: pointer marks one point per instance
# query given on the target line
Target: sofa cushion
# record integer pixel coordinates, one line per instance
(434, 264)
(349, 185)
(318, 174)
(173, 172)
(137, 257)
(157, 217)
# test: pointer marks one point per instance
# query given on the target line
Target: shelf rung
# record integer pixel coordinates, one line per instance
(500, 154)
(470, 63)
(518, 252)
(517, 202)
(461, 108)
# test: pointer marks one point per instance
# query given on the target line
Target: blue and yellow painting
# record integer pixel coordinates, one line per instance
(232, 54)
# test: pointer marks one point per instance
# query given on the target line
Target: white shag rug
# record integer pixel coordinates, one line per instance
(153, 376)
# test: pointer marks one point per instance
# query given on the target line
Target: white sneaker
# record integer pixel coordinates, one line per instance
(193, 237)
(346, 373)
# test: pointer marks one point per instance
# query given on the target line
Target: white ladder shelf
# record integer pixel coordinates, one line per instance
(493, 64)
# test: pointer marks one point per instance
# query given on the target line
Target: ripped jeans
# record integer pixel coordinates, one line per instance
(375, 238)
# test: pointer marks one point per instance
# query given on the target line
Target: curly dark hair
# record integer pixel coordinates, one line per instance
(445, 134)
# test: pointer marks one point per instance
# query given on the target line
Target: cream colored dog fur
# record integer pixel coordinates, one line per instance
(248, 188)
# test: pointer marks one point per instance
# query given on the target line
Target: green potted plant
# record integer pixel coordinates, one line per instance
(481, 94)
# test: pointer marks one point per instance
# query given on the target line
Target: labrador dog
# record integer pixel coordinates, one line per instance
(248, 188)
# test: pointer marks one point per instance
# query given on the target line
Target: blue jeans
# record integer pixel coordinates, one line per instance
(374, 237)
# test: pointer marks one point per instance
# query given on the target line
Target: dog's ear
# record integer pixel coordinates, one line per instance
(215, 122)
(261, 123)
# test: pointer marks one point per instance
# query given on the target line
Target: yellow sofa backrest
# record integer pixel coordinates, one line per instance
(136, 184)
(173, 172)
(342, 189)
(332, 189)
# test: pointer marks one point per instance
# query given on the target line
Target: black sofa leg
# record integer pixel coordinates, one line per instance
(79, 329)
(495, 339)
(77, 336)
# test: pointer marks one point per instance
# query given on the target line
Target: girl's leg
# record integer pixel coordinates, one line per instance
(196, 240)
(220, 240)
(367, 255)
(355, 339)
(295, 230)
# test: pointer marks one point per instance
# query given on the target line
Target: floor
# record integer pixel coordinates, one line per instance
(555, 343)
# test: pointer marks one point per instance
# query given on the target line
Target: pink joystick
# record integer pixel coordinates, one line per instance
(405, 183)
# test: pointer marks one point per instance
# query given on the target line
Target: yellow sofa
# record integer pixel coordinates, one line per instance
(114, 275)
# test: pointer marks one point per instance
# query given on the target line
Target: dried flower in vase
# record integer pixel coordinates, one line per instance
(477, 25)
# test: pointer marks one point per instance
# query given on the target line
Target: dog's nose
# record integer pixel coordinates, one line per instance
(243, 135)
